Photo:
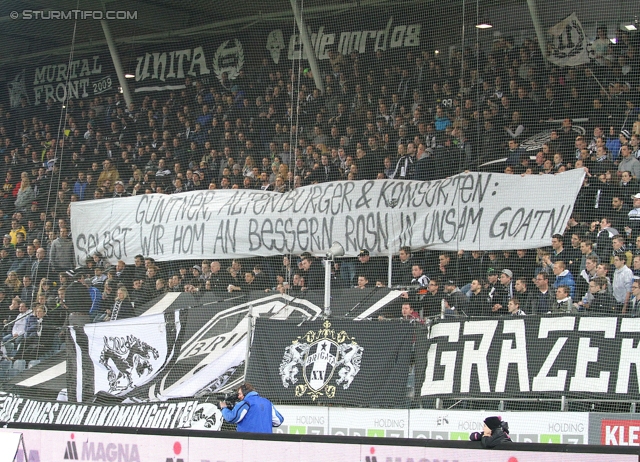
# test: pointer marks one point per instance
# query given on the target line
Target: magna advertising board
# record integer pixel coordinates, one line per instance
(54, 446)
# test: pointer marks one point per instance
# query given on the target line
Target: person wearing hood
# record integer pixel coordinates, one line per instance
(493, 434)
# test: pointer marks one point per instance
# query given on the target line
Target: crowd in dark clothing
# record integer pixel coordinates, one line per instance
(381, 116)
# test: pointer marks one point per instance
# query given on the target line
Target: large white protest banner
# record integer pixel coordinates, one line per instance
(473, 211)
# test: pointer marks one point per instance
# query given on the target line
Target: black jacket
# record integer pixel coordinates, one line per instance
(525, 300)
(604, 248)
(498, 436)
(125, 309)
(503, 293)
(314, 278)
(374, 270)
(603, 302)
(77, 298)
(401, 273)
(478, 305)
(433, 304)
(472, 268)
(537, 297)
(458, 301)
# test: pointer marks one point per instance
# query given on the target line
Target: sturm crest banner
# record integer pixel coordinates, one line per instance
(474, 211)
(568, 43)
(595, 357)
(332, 361)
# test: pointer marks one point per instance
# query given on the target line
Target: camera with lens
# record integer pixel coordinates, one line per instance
(230, 399)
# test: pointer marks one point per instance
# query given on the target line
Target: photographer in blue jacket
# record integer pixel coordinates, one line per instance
(252, 413)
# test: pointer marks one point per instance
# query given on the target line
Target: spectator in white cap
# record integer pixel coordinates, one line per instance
(119, 190)
(505, 291)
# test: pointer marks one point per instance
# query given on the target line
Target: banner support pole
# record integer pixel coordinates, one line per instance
(393, 204)
(116, 62)
(249, 332)
(307, 47)
(327, 287)
(542, 42)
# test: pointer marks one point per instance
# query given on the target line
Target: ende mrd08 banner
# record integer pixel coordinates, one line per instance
(474, 211)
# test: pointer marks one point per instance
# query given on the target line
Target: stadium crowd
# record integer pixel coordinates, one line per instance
(399, 116)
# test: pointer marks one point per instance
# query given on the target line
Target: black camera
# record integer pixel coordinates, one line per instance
(230, 399)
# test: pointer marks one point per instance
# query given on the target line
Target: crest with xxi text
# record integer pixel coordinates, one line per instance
(326, 360)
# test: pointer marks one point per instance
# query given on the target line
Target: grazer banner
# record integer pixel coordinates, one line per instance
(474, 211)
(579, 356)
(332, 361)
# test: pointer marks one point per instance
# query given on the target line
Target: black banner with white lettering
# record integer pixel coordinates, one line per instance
(339, 362)
(592, 357)
(84, 77)
(192, 414)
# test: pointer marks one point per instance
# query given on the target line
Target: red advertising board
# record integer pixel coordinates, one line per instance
(620, 432)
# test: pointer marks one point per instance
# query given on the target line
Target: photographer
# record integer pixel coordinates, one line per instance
(252, 413)
(494, 433)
